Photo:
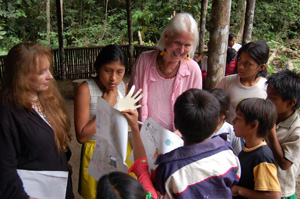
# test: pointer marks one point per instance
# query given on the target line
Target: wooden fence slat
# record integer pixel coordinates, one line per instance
(79, 61)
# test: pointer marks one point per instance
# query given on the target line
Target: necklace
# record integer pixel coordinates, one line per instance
(163, 74)
(37, 106)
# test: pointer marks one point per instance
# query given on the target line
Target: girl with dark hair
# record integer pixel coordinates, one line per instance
(250, 80)
(232, 42)
(110, 66)
(230, 62)
(34, 126)
(118, 185)
(223, 126)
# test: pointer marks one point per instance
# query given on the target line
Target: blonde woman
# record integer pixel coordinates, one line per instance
(34, 126)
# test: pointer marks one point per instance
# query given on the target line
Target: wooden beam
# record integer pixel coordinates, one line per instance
(59, 14)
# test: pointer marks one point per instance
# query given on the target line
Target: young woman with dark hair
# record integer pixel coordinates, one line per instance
(110, 65)
(250, 80)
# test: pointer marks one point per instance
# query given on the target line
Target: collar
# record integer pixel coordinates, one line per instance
(289, 121)
(253, 148)
(192, 150)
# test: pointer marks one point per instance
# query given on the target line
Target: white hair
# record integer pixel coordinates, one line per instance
(181, 22)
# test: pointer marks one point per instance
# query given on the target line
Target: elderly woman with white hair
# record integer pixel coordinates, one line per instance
(163, 74)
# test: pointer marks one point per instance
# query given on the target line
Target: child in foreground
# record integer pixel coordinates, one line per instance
(254, 119)
(203, 167)
(284, 91)
(224, 127)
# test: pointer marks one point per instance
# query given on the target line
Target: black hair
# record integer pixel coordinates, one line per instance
(287, 84)
(231, 36)
(196, 114)
(260, 110)
(224, 99)
(108, 54)
(231, 52)
(259, 51)
(118, 185)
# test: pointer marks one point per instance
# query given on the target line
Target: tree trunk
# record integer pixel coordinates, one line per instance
(241, 31)
(204, 5)
(217, 48)
(48, 20)
(59, 15)
(250, 7)
(130, 33)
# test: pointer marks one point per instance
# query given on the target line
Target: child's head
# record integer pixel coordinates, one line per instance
(110, 53)
(231, 52)
(196, 115)
(252, 59)
(284, 89)
(118, 185)
(255, 112)
(231, 40)
(224, 99)
(111, 65)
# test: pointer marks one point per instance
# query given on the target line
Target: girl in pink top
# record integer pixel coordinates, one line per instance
(230, 62)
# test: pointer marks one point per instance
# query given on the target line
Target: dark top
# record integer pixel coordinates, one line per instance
(26, 142)
(258, 157)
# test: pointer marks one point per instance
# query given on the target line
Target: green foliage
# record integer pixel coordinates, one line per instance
(86, 22)
(277, 20)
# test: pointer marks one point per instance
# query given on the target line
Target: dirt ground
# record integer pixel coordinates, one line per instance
(67, 89)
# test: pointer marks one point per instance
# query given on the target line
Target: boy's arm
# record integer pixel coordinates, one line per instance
(276, 148)
(248, 193)
(137, 143)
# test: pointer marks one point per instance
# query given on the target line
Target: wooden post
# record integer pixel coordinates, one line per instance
(250, 8)
(204, 5)
(59, 15)
(130, 33)
(217, 47)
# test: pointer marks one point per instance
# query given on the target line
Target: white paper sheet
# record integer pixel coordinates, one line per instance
(44, 184)
(111, 144)
(158, 140)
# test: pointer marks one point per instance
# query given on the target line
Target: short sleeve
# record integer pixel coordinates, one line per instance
(291, 146)
(265, 177)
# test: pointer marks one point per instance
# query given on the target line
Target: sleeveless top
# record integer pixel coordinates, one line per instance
(95, 92)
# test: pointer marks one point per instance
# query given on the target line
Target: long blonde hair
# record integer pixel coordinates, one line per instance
(21, 61)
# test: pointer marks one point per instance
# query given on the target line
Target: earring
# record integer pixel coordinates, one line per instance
(164, 53)
(187, 58)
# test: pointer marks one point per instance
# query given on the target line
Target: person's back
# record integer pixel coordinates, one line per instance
(203, 168)
(283, 91)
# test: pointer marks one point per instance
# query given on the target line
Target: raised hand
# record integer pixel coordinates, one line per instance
(129, 102)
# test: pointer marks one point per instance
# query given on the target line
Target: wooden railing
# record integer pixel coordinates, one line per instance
(79, 62)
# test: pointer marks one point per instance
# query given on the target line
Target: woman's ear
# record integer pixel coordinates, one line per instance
(262, 67)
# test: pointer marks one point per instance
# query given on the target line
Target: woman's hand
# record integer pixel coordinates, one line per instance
(111, 96)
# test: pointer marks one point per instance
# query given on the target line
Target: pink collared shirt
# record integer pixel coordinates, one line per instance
(144, 73)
